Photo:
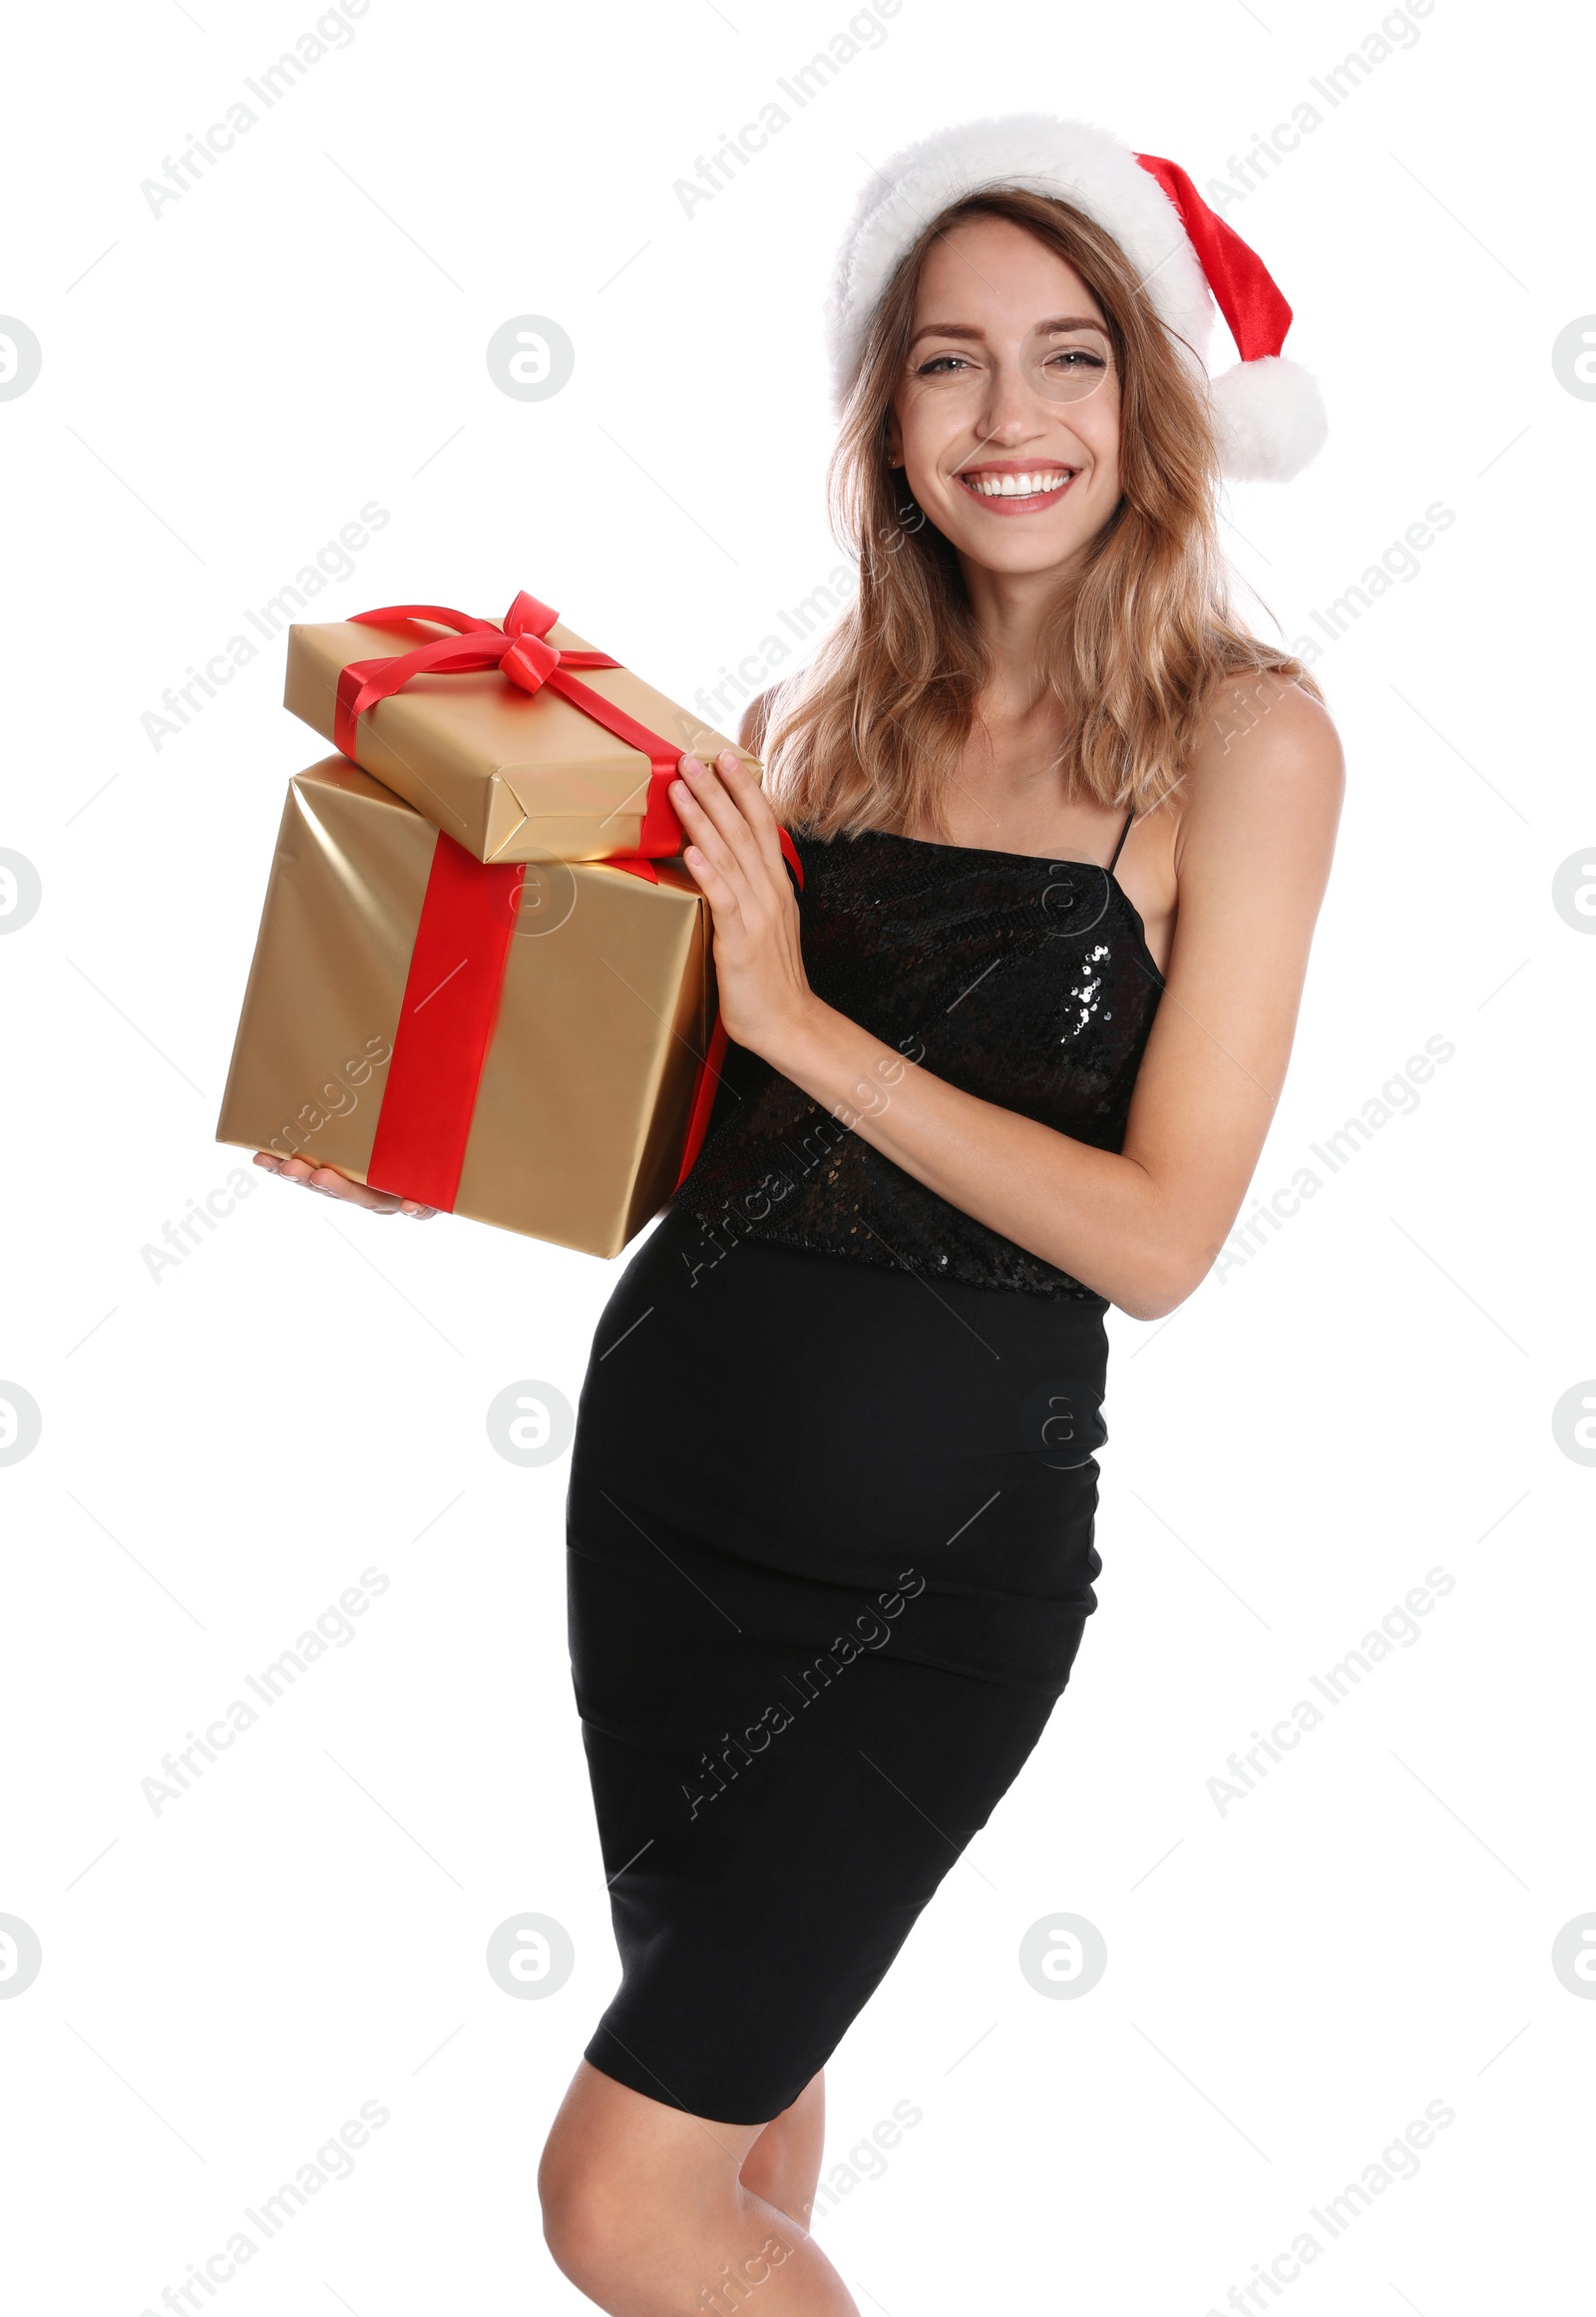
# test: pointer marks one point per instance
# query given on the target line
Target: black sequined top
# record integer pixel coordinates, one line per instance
(1025, 982)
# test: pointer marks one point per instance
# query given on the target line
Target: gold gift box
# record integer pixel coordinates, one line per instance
(606, 1009)
(510, 775)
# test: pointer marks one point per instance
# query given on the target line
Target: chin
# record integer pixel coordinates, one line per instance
(1019, 556)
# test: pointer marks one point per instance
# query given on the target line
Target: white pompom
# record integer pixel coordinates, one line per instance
(1268, 417)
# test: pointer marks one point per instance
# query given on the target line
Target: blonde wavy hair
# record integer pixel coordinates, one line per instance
(869, 734)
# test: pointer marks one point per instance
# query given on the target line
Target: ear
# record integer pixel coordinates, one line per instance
(895, 440)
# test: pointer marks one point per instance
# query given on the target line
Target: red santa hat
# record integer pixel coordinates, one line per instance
(1268, 413)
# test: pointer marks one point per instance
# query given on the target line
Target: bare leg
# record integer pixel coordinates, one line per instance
(783, 2165)
(645, 2211)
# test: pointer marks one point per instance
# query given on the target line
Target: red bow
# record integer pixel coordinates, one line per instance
(470, 905)
(519, 651)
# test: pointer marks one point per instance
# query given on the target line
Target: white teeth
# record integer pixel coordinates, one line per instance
(1019, 486)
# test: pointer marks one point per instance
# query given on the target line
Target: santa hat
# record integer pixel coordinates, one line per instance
(1268, 413)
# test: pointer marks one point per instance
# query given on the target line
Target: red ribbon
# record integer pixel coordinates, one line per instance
(519, 650)
(707, 1084)
(446, 1023)
(446, 1020)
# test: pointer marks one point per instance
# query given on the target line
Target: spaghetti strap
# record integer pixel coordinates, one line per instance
(1123, 834)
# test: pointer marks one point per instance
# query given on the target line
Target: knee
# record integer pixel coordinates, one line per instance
(603, 2219)
(581, 2213)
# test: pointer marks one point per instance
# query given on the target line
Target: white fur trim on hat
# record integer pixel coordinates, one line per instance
(1269, 416)
(1069, 160)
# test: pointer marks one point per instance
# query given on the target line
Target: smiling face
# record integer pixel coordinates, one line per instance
(1005, 419)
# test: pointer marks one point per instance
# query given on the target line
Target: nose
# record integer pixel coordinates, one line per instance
(1009, 405)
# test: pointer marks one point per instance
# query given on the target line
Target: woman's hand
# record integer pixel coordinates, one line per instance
(735, 859)
(336, 1186)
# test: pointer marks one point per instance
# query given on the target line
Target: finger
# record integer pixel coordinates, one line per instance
(709, 795)
(715, 888)
(704, 831)
(331, 1183)
(743, 784)
(334, 1184)
(724, 810)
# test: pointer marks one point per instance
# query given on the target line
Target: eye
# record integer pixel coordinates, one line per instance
(1076, 359)
(938, 366)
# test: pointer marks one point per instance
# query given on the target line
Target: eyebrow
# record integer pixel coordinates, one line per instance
(968, 330)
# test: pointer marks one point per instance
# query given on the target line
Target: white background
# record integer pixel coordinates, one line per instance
(225, 1450)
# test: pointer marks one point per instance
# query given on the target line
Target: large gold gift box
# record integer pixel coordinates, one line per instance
(581, 1115)
(510, 775)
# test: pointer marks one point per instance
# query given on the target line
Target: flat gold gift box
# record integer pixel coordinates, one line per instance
(606, 1009)
(510, 775)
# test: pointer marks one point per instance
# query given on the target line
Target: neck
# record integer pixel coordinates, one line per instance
(1010, 609)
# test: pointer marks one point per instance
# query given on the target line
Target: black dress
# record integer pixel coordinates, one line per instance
(833, 1485)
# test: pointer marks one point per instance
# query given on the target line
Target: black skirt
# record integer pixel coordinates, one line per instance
(830, 1560)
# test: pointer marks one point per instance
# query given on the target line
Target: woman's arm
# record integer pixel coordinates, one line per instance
(1141, 1226)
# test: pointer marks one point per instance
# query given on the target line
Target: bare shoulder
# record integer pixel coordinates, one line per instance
(1252, 848)
(1264, 783)
(755, 717)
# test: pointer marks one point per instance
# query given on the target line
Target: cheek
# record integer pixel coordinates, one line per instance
(915, 453)
(1096, 420)
(925, 432)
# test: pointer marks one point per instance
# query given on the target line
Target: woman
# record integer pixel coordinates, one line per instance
(1008, 1057)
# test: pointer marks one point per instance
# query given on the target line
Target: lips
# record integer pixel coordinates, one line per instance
(1015, 489)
